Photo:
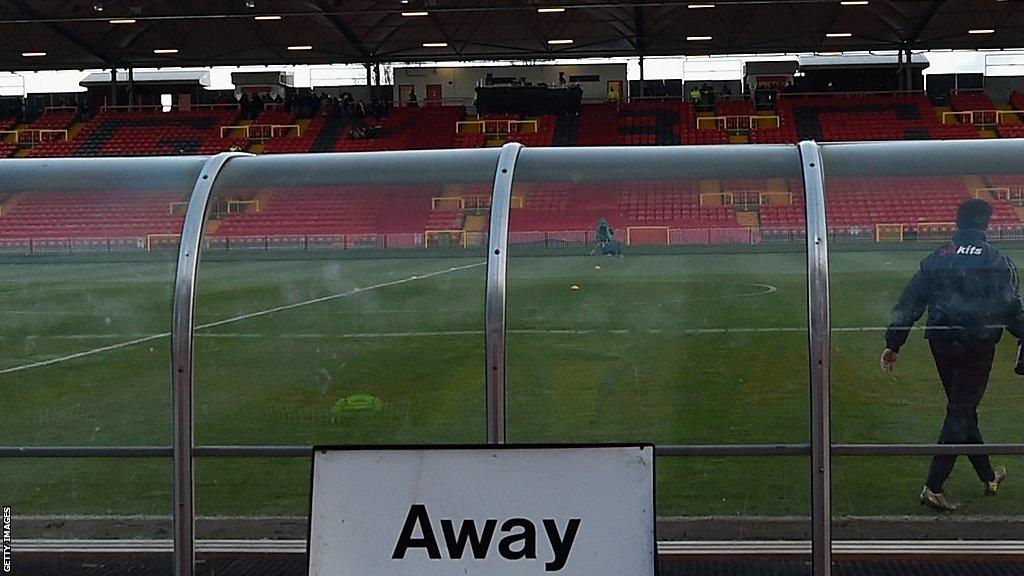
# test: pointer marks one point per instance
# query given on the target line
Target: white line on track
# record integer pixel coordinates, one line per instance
(257, 314)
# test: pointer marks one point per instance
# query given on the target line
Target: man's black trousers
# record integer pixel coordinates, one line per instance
(963, 368)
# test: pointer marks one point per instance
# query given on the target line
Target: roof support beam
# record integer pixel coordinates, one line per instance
(336, 20)
(915, 32)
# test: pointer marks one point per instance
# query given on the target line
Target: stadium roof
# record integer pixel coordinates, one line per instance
(175, 77)
(63, 34)
(859, 60)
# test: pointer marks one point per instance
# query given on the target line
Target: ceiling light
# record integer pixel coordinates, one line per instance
(982, 31)
(250, 4)
(550, 10)
(33, 54)
(560, 41)
(415, 13)
(838, 35)
(266, 18)
(435, 44)
(97, 6)
(854, 3)
(698, 38)
(699, 6)
(405, 1)
(123, 21)
(304, 47)
(165, 51)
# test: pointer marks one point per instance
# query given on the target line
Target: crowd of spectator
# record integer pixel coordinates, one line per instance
(306, 104)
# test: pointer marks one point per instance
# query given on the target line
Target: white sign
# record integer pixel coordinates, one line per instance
(488, 511)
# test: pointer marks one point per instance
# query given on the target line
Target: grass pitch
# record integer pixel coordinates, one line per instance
(671, 348)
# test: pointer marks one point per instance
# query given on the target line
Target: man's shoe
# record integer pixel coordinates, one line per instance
(936, 501)
(992, 487)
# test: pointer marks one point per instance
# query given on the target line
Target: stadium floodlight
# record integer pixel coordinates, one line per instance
(562, 41)
(550, 10)
(838, 35)
(302, 47)
(407, 14)
(699, 6)
(268, 17)
(165, 51)
(697, 38)
(97, 6)
(123, 21)
(250, 4)
(982, 31)
(435, 44)
(33, 54)
(854, 3)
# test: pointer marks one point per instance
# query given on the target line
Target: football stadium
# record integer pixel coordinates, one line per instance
(521, 240)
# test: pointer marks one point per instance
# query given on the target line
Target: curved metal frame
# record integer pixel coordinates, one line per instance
(182, 321)
(820, 448)
(819, 345)
(497, 271)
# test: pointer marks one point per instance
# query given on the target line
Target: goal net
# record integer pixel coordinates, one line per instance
(775, 198)
(647, 235)
(236, 206)
(162, 241)
(935, 230)
(445, 239)
(447, 203)
(1015, 195)
(888, 232)
(717, 199)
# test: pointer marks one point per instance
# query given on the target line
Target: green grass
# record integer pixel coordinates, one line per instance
(670, 348)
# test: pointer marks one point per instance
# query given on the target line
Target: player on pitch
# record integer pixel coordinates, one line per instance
(970, 291)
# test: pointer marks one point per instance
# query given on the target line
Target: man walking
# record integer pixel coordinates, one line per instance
(970, 291)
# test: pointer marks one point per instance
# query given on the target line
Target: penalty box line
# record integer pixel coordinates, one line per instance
(257, 314)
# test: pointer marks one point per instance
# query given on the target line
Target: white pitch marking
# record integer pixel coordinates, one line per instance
(152, 337)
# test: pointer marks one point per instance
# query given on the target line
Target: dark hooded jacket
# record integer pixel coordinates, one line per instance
(969, 289)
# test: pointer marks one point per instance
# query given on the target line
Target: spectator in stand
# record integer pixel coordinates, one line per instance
(256, 105)
(561, 79)
(695, 95)
(360, 109)
(613, 94)
(726, 91)
(244, 105)
(707, 95)
(413, 100)
(378, 108)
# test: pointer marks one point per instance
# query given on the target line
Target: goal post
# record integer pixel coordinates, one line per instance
(717, 199)
(1014, 195)
(238, 206)
(445, 239)
(647, 235)
(447, 203)
(162, 241)
(889, 232)
(935, 230)
(775, 198)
